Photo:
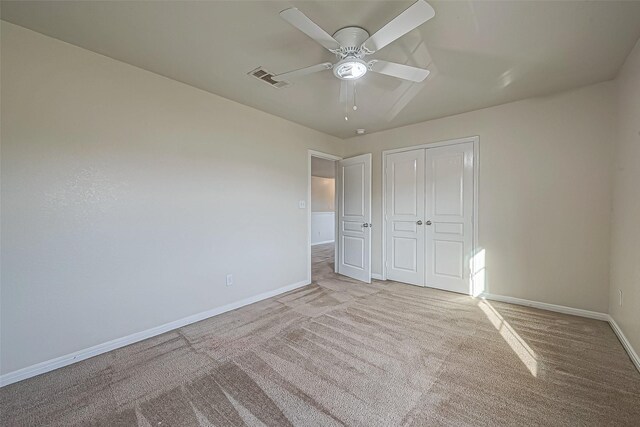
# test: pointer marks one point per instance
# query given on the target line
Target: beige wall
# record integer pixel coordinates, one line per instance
(127, 197)
(625, 232)
(545, 180)
(323, 194)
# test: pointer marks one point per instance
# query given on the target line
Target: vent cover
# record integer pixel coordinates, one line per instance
(264, 75)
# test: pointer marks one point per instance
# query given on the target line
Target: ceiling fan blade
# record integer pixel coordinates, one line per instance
(299, 20)
(400, 71)
(416, 15)
(303, 71)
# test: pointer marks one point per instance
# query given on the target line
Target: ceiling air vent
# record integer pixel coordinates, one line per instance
(264, 75)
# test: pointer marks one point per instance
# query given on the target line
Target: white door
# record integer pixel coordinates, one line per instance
(404, 216)
(354, 217)
(449, 216)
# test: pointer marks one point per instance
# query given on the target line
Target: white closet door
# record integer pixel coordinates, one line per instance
(404, 216)
(449, 216)
(354, 231)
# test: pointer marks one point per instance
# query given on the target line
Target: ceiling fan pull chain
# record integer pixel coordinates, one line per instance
(355, 106)
(346, 106)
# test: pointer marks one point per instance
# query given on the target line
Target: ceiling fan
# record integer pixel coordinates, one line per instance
(352, 44)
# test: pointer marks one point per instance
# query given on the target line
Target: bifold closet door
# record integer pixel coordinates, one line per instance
(449, 216)
(404, 216)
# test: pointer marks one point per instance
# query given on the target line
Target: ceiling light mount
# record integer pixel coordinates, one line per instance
(351, 66)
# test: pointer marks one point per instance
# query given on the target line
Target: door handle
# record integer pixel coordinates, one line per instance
(365, 225)
(419, 222)
(428, 222)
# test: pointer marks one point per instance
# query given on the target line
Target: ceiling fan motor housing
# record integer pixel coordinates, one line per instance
(351, 66)
(351, 39)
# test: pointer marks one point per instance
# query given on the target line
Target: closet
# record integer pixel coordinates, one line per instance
(428, 214)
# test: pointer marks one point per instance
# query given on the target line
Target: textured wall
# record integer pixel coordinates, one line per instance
(323, 227)
(323, 194)
(127, 197)
(625, 231)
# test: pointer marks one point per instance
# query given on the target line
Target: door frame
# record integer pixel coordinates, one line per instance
(321, 155)
(476, 163)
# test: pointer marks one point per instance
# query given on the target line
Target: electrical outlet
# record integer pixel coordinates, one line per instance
(229, 279)
(620, 297)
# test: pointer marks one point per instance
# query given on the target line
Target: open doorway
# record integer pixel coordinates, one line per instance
(322, 215)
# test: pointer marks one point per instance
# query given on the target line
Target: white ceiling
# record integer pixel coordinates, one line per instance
(323, 168)
(480, 53)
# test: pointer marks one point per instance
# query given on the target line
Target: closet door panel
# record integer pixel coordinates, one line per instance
(404, 216)
(449, 215)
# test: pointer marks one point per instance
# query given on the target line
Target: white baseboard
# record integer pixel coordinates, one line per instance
(68, 359)
(546, 306)
(322, 243)
(59, 362)
(625, 343)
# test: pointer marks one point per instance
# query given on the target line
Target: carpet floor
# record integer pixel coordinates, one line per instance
(339, 352)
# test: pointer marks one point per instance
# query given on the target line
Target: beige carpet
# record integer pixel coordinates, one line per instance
(339, 352)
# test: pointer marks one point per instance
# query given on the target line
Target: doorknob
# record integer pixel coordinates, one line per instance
(365, 225)
(428, 222)
(419, 222)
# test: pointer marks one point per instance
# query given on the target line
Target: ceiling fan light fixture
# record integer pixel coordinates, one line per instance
(350, 69)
